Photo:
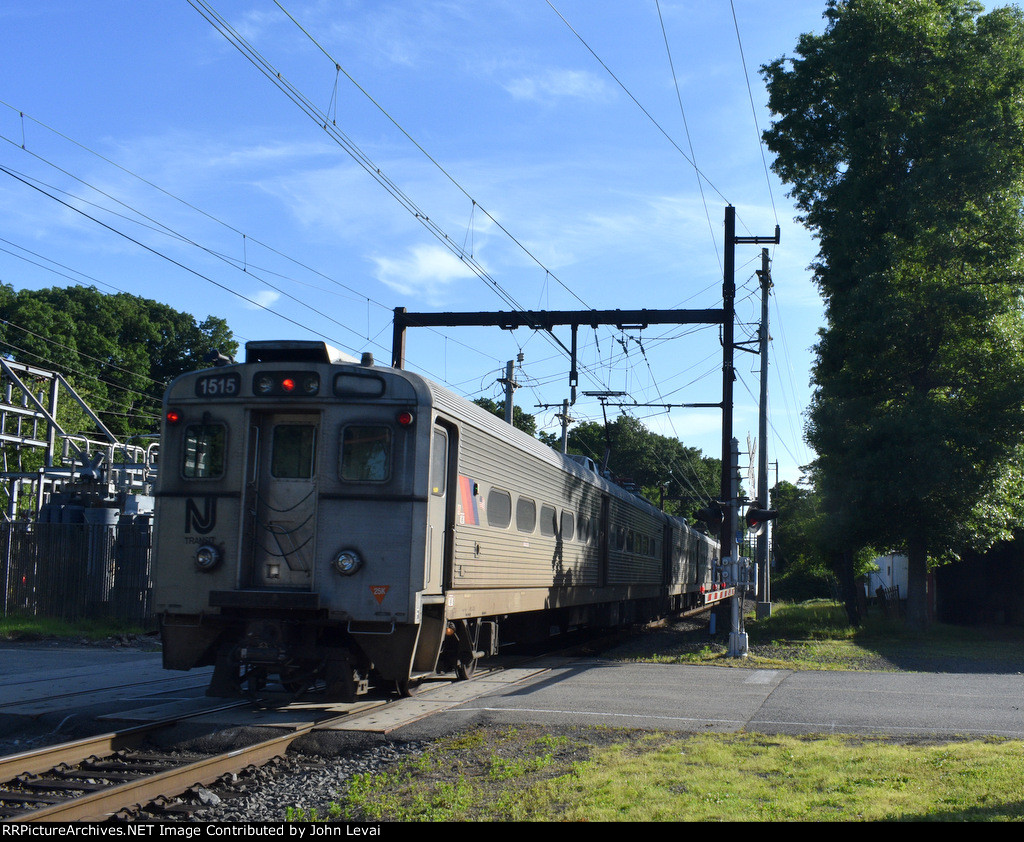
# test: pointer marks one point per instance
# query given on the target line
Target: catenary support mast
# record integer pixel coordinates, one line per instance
(730, 501)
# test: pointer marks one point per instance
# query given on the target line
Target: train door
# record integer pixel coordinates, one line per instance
(604, 540)
(668, 554)
(437, 507)
(281, 499)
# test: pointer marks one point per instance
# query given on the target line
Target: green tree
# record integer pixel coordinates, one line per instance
(117, 351)
(795, 532)
(901, 132)
(520, 420)
(659, 466)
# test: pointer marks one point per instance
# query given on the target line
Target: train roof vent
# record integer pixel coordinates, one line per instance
(294, 351)
(585, 461)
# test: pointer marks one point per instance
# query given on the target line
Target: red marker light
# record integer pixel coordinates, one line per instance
(288, 384)
(173, 416)
(405, 419)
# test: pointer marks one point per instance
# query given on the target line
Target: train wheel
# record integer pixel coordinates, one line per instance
(297, 679)
(408, 687)
(467, 633)
(255, 680)
(465, 669)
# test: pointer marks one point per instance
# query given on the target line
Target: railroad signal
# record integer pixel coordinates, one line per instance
(757, 519)
(712, 515)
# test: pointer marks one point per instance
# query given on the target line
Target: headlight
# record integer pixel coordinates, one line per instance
(347, 563)
(207, 558)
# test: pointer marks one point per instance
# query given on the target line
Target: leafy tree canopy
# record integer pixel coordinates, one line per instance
(117, 351)
(901, 132)
(657, 465)
(520, 420)
(794, 534)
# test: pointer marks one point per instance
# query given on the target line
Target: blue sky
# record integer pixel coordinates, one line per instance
(537, 155)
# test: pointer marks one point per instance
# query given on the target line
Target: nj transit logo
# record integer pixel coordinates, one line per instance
(200, 521)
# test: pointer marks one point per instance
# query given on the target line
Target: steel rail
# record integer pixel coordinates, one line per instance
(101, 805)
(105, 804)
(40, 760)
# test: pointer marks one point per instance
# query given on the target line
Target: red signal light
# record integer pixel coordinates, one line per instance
(173, 416)
(288, 384)
(405, 419)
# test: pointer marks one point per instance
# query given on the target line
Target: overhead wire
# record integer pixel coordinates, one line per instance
(753, 108)
(637, 102)
(701, 177)
(30, 182)
(82, 376)
(475, 204)
(331, 128)
(764, 161)
(219, 23)
(686, 128)
(160, 228)
(243, 265)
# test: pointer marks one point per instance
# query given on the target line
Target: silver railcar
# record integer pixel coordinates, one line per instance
(323, 520)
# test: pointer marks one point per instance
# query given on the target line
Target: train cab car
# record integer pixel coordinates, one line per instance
(321, 520)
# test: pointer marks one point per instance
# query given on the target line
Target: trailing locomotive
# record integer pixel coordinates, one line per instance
(322, 519)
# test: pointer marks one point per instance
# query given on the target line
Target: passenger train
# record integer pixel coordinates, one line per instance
(321, 520)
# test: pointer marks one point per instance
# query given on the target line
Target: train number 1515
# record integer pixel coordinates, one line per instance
(218, 385)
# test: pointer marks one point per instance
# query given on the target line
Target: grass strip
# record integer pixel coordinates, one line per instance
(524, 774)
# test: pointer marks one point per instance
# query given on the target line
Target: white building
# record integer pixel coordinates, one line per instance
(892, 572)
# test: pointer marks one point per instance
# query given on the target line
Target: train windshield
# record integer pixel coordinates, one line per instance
(366, 454)
(204, 451)
(293, 451)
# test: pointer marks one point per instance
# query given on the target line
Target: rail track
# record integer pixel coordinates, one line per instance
(116, 775)
(113, 775)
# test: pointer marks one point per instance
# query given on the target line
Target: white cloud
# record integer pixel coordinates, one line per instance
(263, 298)
(428, 271)
(558, 84)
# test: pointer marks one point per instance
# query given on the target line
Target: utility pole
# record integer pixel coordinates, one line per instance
(728, 534)
(764, 605)
(509, 382)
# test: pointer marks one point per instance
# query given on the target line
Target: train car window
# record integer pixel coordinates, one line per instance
(548, 521)
(568, 526)
(439, 464)
(499, 508)
(293, 452)
(366, 454)
(583, 529)
(526, 515)
(204, 451)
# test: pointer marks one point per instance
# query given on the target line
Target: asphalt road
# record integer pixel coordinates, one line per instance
(48, 686)
(724, 699)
